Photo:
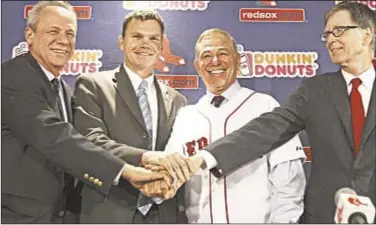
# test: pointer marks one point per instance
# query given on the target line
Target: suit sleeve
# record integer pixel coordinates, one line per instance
(27, 113)
(88, 119)
(262, 134)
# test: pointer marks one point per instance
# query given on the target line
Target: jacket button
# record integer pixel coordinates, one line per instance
(181, 208)
(61, 213)
(144, 136)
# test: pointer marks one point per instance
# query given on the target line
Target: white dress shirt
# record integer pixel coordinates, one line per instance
(151, 94)
(365, 88)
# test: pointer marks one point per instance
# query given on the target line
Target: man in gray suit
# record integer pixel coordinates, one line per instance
(127, 112)
(39, 145)
(337, 110)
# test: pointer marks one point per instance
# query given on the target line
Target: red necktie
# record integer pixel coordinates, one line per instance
(357, 113)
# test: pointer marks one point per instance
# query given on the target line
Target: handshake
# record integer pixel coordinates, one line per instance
(162, 174)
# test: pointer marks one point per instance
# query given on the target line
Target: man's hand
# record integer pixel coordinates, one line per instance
(150, 183)
(176, 164)
(158, 188)
(194, 163)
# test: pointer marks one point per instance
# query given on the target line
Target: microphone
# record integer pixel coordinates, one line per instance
(352, 208)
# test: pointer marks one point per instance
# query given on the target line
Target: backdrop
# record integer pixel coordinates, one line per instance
(279, 41)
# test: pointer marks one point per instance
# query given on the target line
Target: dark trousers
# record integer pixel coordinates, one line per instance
(151, 217)
(17, 209)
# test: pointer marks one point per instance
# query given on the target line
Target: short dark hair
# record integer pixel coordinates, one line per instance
(360, 13)
(142, 15)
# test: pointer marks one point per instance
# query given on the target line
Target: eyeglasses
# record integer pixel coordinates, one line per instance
(337, 31)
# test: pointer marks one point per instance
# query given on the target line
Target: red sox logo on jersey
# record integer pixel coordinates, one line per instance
(193, 146)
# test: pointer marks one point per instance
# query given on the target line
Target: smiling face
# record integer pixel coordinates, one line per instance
(142, 45)
(350, 48)
(217, 62)
(52, 41)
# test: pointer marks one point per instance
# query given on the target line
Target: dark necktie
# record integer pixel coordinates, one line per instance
(217, 100)
(357, 113)
(56, 87)
(66, 178)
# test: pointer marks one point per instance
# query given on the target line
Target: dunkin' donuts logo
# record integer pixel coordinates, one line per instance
(82, 61)
(167, 5)
(277, 64)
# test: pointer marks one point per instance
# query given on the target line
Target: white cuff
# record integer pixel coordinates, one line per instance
(116, 181)
(209, 159)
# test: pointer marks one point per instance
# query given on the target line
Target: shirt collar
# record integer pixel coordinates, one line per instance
(367, 77)
(48, 74)
(136, 79)
(229, 93)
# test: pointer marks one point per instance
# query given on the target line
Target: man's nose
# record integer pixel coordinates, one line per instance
(215, 60)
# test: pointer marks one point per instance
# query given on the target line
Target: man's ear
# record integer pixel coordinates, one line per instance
(237, 62)
(197, 66)
(368, 36)
(29, 35)
(121, 42)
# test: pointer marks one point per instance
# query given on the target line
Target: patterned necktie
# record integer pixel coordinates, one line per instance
(217, 100)
(357, 113)
(56, 87)
(144, 203)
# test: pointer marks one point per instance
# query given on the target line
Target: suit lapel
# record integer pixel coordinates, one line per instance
(164, 110)
(370, 122)
(338, 94)
(124, 87)
(38, 70)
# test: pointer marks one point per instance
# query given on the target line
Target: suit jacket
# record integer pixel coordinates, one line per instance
(37, 145)
(320, 106)
(107, 111)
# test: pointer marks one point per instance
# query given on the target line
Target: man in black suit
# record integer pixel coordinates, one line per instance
(39, 145)
(115, 111)
(337, 110)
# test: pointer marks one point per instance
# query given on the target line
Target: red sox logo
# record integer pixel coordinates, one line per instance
(199, 144)
(167, 57)
(356, 201)
(267, 3)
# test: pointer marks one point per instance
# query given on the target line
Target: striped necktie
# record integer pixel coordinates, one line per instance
(145, 203)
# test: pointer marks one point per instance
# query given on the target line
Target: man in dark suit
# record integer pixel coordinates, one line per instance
(337, 110)
(38, 142)
(126, 110)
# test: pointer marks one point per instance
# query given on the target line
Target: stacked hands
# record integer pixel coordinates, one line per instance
(162, 174)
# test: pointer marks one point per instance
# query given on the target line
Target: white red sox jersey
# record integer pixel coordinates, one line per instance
(243, 196)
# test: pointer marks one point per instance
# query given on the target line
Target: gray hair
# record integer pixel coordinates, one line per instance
(215, 30)
(35, 12)
(360, 13)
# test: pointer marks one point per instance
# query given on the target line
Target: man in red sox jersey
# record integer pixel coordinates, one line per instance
(267, 190)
